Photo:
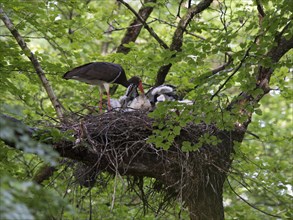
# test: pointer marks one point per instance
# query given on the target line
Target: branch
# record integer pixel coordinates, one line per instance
(212, 73)
(55, 102)
(236, 69)
(114, 29)
(177, 39)
(223, 10)
(142, 20)
(264, 73)
(260, 8)
(179, 8)
(275, 54)
(174, 26)
(283, 45)
(135, 27)
(222, 67)
(251, 205)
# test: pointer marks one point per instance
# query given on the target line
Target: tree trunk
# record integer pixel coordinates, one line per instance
(207, 204)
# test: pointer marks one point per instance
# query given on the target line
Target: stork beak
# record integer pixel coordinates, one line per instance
(140, 87)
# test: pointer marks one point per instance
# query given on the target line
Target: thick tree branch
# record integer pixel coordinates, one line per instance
(275, 54)
(177, 39)
(260, 8)
(264, 75)
(54, 100)
(135, 27)
(143, 21)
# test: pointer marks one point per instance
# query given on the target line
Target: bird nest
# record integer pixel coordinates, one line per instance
(117, 142)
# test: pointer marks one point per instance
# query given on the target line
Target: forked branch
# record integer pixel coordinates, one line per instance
(177, 40)
(148, 28)
(135, 27)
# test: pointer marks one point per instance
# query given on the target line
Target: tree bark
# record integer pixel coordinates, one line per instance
(208, 205)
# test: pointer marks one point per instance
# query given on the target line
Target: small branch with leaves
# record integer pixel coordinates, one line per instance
(53, 98)
(246, 54)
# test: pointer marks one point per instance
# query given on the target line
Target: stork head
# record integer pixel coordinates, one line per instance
(136, 82)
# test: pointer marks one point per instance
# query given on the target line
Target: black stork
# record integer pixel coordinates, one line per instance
(103, 74)
(162, 93)
(133, 101)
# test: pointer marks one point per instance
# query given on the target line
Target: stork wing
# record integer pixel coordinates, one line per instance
(96, 71)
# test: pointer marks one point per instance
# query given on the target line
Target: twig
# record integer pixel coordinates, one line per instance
(223, 10)
(251, 205)
(241, 26)
(222, 67)
(174, 26)
(110, 30)
(55, 102)
(179, 9)
(252, 134)
(237, 68)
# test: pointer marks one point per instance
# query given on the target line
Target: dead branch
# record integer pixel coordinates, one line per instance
(223, 66)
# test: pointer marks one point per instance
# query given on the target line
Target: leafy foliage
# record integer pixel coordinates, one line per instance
(19, 201)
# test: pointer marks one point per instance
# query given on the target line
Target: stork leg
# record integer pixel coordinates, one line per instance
(107, 87)
(109, 104)
(101, 99)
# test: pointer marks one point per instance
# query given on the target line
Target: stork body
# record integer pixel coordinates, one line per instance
(140, 103)
(161, 93)
(102, 74)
